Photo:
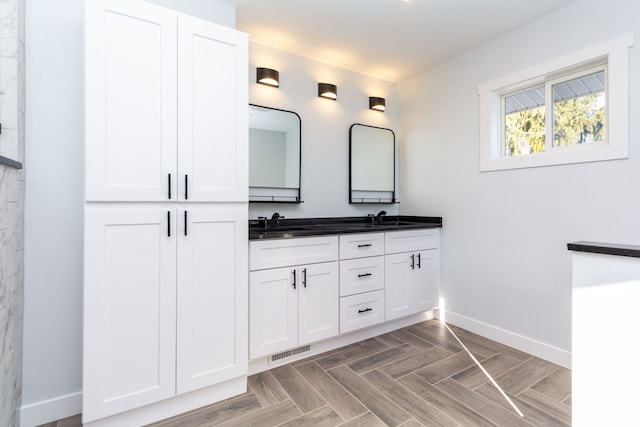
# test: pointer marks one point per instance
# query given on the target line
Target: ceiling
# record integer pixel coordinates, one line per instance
(387, 39)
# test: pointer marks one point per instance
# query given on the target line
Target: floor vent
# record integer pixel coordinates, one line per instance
(279, 356)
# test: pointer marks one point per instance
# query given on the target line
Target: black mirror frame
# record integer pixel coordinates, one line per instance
(374, 200)
(276, 198)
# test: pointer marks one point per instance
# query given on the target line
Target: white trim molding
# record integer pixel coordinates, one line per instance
(616, 54)
(520, 342)
(46, 411)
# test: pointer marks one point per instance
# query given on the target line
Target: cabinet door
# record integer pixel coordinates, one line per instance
(131, 98)
(398, 284)
(212, 296)
(129, 309)
(319, 303)
(212, 112)
(426, 279)
(273, 310)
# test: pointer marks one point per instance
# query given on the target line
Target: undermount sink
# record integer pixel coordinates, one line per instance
(289, 228)
(394, 223)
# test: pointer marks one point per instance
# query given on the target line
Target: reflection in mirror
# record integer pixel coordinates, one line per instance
(274, 155)
(371, 164)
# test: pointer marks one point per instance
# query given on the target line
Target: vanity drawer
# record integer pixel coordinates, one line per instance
(411, 240)
(287, 252)
(361, 245)
(362, 310)
(361, 275)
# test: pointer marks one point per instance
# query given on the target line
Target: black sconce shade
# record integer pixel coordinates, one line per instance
(267, 76)
(327, 90)
(377, 104)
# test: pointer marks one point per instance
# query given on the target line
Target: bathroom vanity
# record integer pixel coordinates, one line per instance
(317, 284)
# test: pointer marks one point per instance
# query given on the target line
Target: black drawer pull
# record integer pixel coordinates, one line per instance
(186, 187)
(364, 245)
(294, 278)
(419, 266)
(364, 275)
(169, 179)
(168, 223)
(413, 261)
(365, 310)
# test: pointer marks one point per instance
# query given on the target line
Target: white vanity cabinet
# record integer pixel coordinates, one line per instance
(358, 285)
(165, 279)
(293, 288)
(361, 280)
(412, 272)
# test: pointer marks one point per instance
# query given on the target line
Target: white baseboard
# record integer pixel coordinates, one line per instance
(528, 345)
(50, 410)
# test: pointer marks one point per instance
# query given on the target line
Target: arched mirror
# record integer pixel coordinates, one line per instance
(371, 164)
(274, 155)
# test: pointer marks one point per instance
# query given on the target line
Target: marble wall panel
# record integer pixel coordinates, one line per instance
(11, 210)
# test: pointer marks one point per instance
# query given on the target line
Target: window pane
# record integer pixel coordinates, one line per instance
(524, 131)
(579, 110)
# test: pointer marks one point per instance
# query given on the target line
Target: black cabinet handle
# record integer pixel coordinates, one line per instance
(185, 223)
(364, 245)
(294, 279)
(419, 266)
(413, 261)
(168, 223)
(186, 187)
(364, 275)
(365, 310)
(304, 277)
(169, 179)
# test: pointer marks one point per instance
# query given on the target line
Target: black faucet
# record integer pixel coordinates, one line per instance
(379, 217)
(275, 220)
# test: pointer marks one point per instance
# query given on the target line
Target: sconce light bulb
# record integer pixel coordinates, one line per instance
(270, 82)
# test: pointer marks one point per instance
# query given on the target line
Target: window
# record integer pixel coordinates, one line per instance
(573, 109)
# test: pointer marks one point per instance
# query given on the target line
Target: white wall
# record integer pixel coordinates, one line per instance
(504, 257)
(325, 128)
(53, 213)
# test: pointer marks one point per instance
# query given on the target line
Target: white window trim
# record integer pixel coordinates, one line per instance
(616, 51)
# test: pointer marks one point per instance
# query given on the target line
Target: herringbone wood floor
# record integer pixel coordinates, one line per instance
(415, 376)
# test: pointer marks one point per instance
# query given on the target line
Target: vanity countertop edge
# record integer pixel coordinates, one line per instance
(303, 227)
(605, 248)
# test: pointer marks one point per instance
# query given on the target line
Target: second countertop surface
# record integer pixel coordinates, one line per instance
(302, 227)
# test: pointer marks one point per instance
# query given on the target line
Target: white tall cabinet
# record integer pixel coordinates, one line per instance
(166, 181)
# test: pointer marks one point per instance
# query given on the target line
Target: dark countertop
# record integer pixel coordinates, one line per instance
(303, 227)
(605, 248)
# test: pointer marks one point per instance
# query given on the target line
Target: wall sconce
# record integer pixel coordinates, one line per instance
(377, 104)
(267, 76)
(327, 90)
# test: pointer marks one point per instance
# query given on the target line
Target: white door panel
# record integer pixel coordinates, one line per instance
(129, 345)
(212, 296)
